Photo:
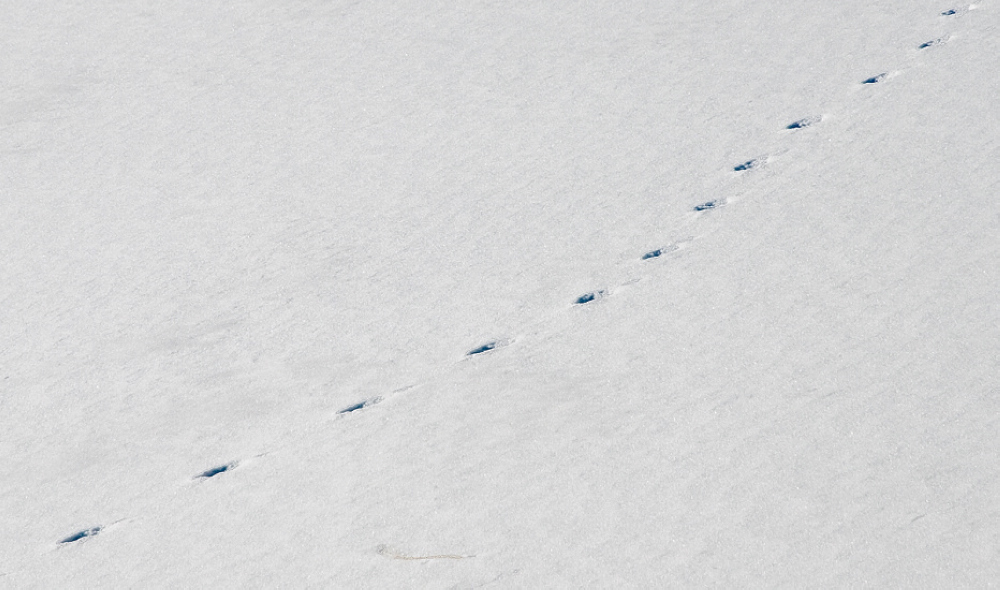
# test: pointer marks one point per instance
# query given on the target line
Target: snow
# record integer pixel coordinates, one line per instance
(250, 249)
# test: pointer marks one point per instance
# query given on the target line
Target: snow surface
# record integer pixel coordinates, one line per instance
(247, 246)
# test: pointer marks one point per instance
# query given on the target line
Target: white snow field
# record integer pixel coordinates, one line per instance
(223, 224)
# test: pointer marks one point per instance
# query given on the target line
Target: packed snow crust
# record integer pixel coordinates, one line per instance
(347, 295)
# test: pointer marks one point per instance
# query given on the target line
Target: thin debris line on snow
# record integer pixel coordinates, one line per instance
(386, 551)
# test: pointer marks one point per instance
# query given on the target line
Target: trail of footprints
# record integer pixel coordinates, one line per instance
(591, 297)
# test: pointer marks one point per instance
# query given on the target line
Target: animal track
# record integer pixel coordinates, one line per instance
(660, 252)
(81, 535)
(584, 299)
(803, 123)
(481, 349)
(749, 164)
(709, 205)
(360, 405)
(491, 345)
(590, 297)
(216, 471)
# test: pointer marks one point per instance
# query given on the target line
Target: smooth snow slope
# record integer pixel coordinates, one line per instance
(225, 223)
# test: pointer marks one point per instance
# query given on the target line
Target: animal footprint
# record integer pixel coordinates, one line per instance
(216, 470)
(666, 249)
(709, 205)
(590, 297)
(932, 43)
(492, 345)
(803, 123)
(660, 252)
(749, 165)
(81, 535)
(360, 405)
